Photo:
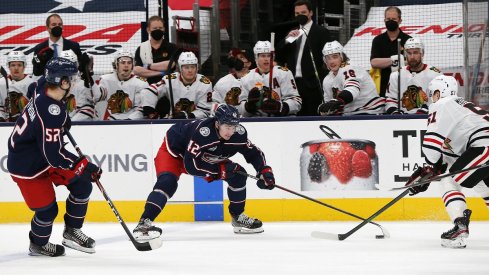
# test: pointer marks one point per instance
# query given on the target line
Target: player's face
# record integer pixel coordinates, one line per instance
(263, 62)
(124, 68)
(226, 131)
(436, 96)
(16, 69)
(333, 61)
(414, 58)
(189, 72)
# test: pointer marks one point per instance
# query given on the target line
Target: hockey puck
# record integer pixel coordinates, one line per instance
(379, 236)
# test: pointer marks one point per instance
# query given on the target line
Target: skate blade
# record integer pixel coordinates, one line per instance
(243, 230)
(457, 243)
(35, 254)
(75, 246)
(144, 237)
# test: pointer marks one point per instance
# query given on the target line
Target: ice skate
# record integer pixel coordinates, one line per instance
(49, 249)
(74, 238)
(455, 237)
(242, 224)
(146, 231)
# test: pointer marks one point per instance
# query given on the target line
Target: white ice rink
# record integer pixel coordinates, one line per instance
(284, 248)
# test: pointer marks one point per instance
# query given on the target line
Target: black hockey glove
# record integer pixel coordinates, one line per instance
(79, 165)
(253, 99)
(421, 174)
(85, 72)
(333, 107)
(228, 169)
(40, 59)
(267, 180)
(183, 115)
(150, 112)
(93, 171)
(275, 107)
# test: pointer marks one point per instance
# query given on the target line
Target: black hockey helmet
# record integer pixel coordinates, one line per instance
(227, 114)
(59, 68)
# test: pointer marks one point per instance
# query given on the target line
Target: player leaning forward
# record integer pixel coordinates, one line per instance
(202, 148)
(456, 137)
(37, 159)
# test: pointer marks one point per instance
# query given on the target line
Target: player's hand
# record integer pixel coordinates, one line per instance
(267, 180)
(253, 99)
(333, 107)
(420, 174)
(94, 171)
(228, 169)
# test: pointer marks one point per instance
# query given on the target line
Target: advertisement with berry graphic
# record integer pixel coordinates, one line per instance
(338, 164)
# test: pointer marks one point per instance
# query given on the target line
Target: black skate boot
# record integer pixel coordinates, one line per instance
(145, 230)
(49, 249)
(76, 239)
(455, 237)
(242, 224)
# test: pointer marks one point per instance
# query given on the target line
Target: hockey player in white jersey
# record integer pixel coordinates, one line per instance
(415, 78)
(79, 104)
(228, 88)
(13, 100)
(457, 137)
(257, 99)
(348, 90)
(119, 93)
(191, 92)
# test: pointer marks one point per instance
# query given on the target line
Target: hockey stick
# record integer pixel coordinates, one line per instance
(399, 74)
(272, 56)
(479, 59)
(385, 233)
(168, 73)
(4, 74)
(141, 246)
(436, 178)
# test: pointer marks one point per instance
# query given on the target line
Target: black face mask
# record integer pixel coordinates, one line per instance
(302, 19)
(57, 31)
(391, 25)
(157, 34)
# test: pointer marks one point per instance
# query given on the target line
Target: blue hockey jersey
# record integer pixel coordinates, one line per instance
(202, 150)
(36, 142)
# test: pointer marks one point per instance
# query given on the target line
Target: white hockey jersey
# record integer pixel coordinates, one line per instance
(284, 89)
(228, 90)
(119, 99)
(199, 93)
(454, 125)
(83, 101)
(420, 80)
(20, 90)
(359, 83)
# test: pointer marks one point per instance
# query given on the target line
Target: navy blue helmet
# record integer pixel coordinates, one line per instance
(58, 68)
(227, 114)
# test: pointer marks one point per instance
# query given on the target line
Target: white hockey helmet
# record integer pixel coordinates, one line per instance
(262, 47)
(332, 48)
(119, 54)
(447, 85)
(414, 43)
(16, 56)
(187, 58)
(70, 55)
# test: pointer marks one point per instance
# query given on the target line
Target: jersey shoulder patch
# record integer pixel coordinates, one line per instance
(205, 131)
(171, 76)
(283, 68)
(435, 69)
(141, 78)
(205, 80)
(240, 130)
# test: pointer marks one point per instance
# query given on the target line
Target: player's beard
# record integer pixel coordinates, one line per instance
(415, 65)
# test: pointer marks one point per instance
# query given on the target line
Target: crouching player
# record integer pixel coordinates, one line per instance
(202, 148)
(457, 137)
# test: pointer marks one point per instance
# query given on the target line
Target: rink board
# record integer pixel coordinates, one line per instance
(125, 151)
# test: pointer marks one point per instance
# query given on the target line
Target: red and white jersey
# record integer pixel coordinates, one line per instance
(19, 87)
(119, 98)
(199, 93)
(359, 83)
(454, 125)
(227, 90)
(81, 106)
(408, 78)
(284, 89)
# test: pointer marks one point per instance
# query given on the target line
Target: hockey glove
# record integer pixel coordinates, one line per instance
(395, 63)
(421, 174)
(253, 99)
(79, 165)
(275, 107)
(183, 115)
(150, 113)
(267, 180)
(94, 171)
(333, 107)
(85, 72)
(40, 59)
(228, 169)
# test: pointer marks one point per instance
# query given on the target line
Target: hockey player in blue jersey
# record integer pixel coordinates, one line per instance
(37, 160)
(202, 148)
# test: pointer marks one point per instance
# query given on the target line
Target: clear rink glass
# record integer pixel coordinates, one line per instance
(339, 164)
